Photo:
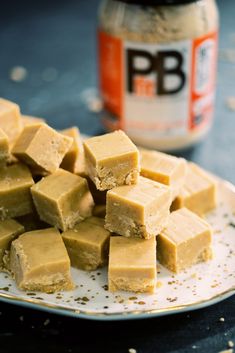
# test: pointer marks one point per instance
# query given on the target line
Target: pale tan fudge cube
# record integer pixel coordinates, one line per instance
(39, 262)
(9, 230)
(15, 197)
(4, 148)
(185, 241)
(112, 160)
(74, 160)
(62, 199)
(31, 120)
(164, 168)
(139, 210)
(10, 120)
(87, 244)
(132, 264)
(41, 147)
(199, 192)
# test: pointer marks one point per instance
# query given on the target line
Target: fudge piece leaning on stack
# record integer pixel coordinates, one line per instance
(164, 168)
(198, 193)
(52, 181)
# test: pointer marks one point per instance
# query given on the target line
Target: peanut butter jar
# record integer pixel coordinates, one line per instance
(157, 69)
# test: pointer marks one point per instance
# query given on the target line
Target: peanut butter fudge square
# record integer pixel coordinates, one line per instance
(112, 160)
(41, 147)
(15, 197)
(39, 261)
(198, 192)
(9, 230)
(186, 240)
(62, 199)
(87, 244)
(132, 264)
(139, 210)
(164, 168)
(4, 148)
(10, 119)
(74, 160)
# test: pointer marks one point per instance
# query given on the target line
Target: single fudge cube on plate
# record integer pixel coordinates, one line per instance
(4, 148)
(73, 161)
(15, 197)
(87, 244)
(139, 210)
(198, 192)
(186, 240)
(164, 168)
(62, 199)
(132, 264)
(41, 147)
(112, 160)
(9, 230)
(10, 119)
(31, 120)
(39, 261)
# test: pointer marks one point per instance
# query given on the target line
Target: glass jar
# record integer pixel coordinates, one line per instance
(157, 69)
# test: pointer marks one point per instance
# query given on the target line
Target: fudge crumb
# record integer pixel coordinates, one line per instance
(230, 344)
(221, 319)
(18, 73)
(132, 350)
(46, 322)
(230, 103)
(133, 298)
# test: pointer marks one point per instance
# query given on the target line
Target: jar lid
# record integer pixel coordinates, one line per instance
(158, 2)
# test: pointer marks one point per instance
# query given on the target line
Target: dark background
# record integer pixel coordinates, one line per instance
(55, 41)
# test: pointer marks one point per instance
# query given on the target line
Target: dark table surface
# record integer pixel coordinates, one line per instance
(56, 43)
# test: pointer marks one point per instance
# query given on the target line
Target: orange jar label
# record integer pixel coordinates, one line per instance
(158, 89)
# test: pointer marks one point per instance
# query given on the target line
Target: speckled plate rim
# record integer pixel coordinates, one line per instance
(133, 315)
(128, 315)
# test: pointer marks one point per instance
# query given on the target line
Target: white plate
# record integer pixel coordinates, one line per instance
(202, 285)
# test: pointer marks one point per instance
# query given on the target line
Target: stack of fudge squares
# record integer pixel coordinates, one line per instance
(64, 202)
